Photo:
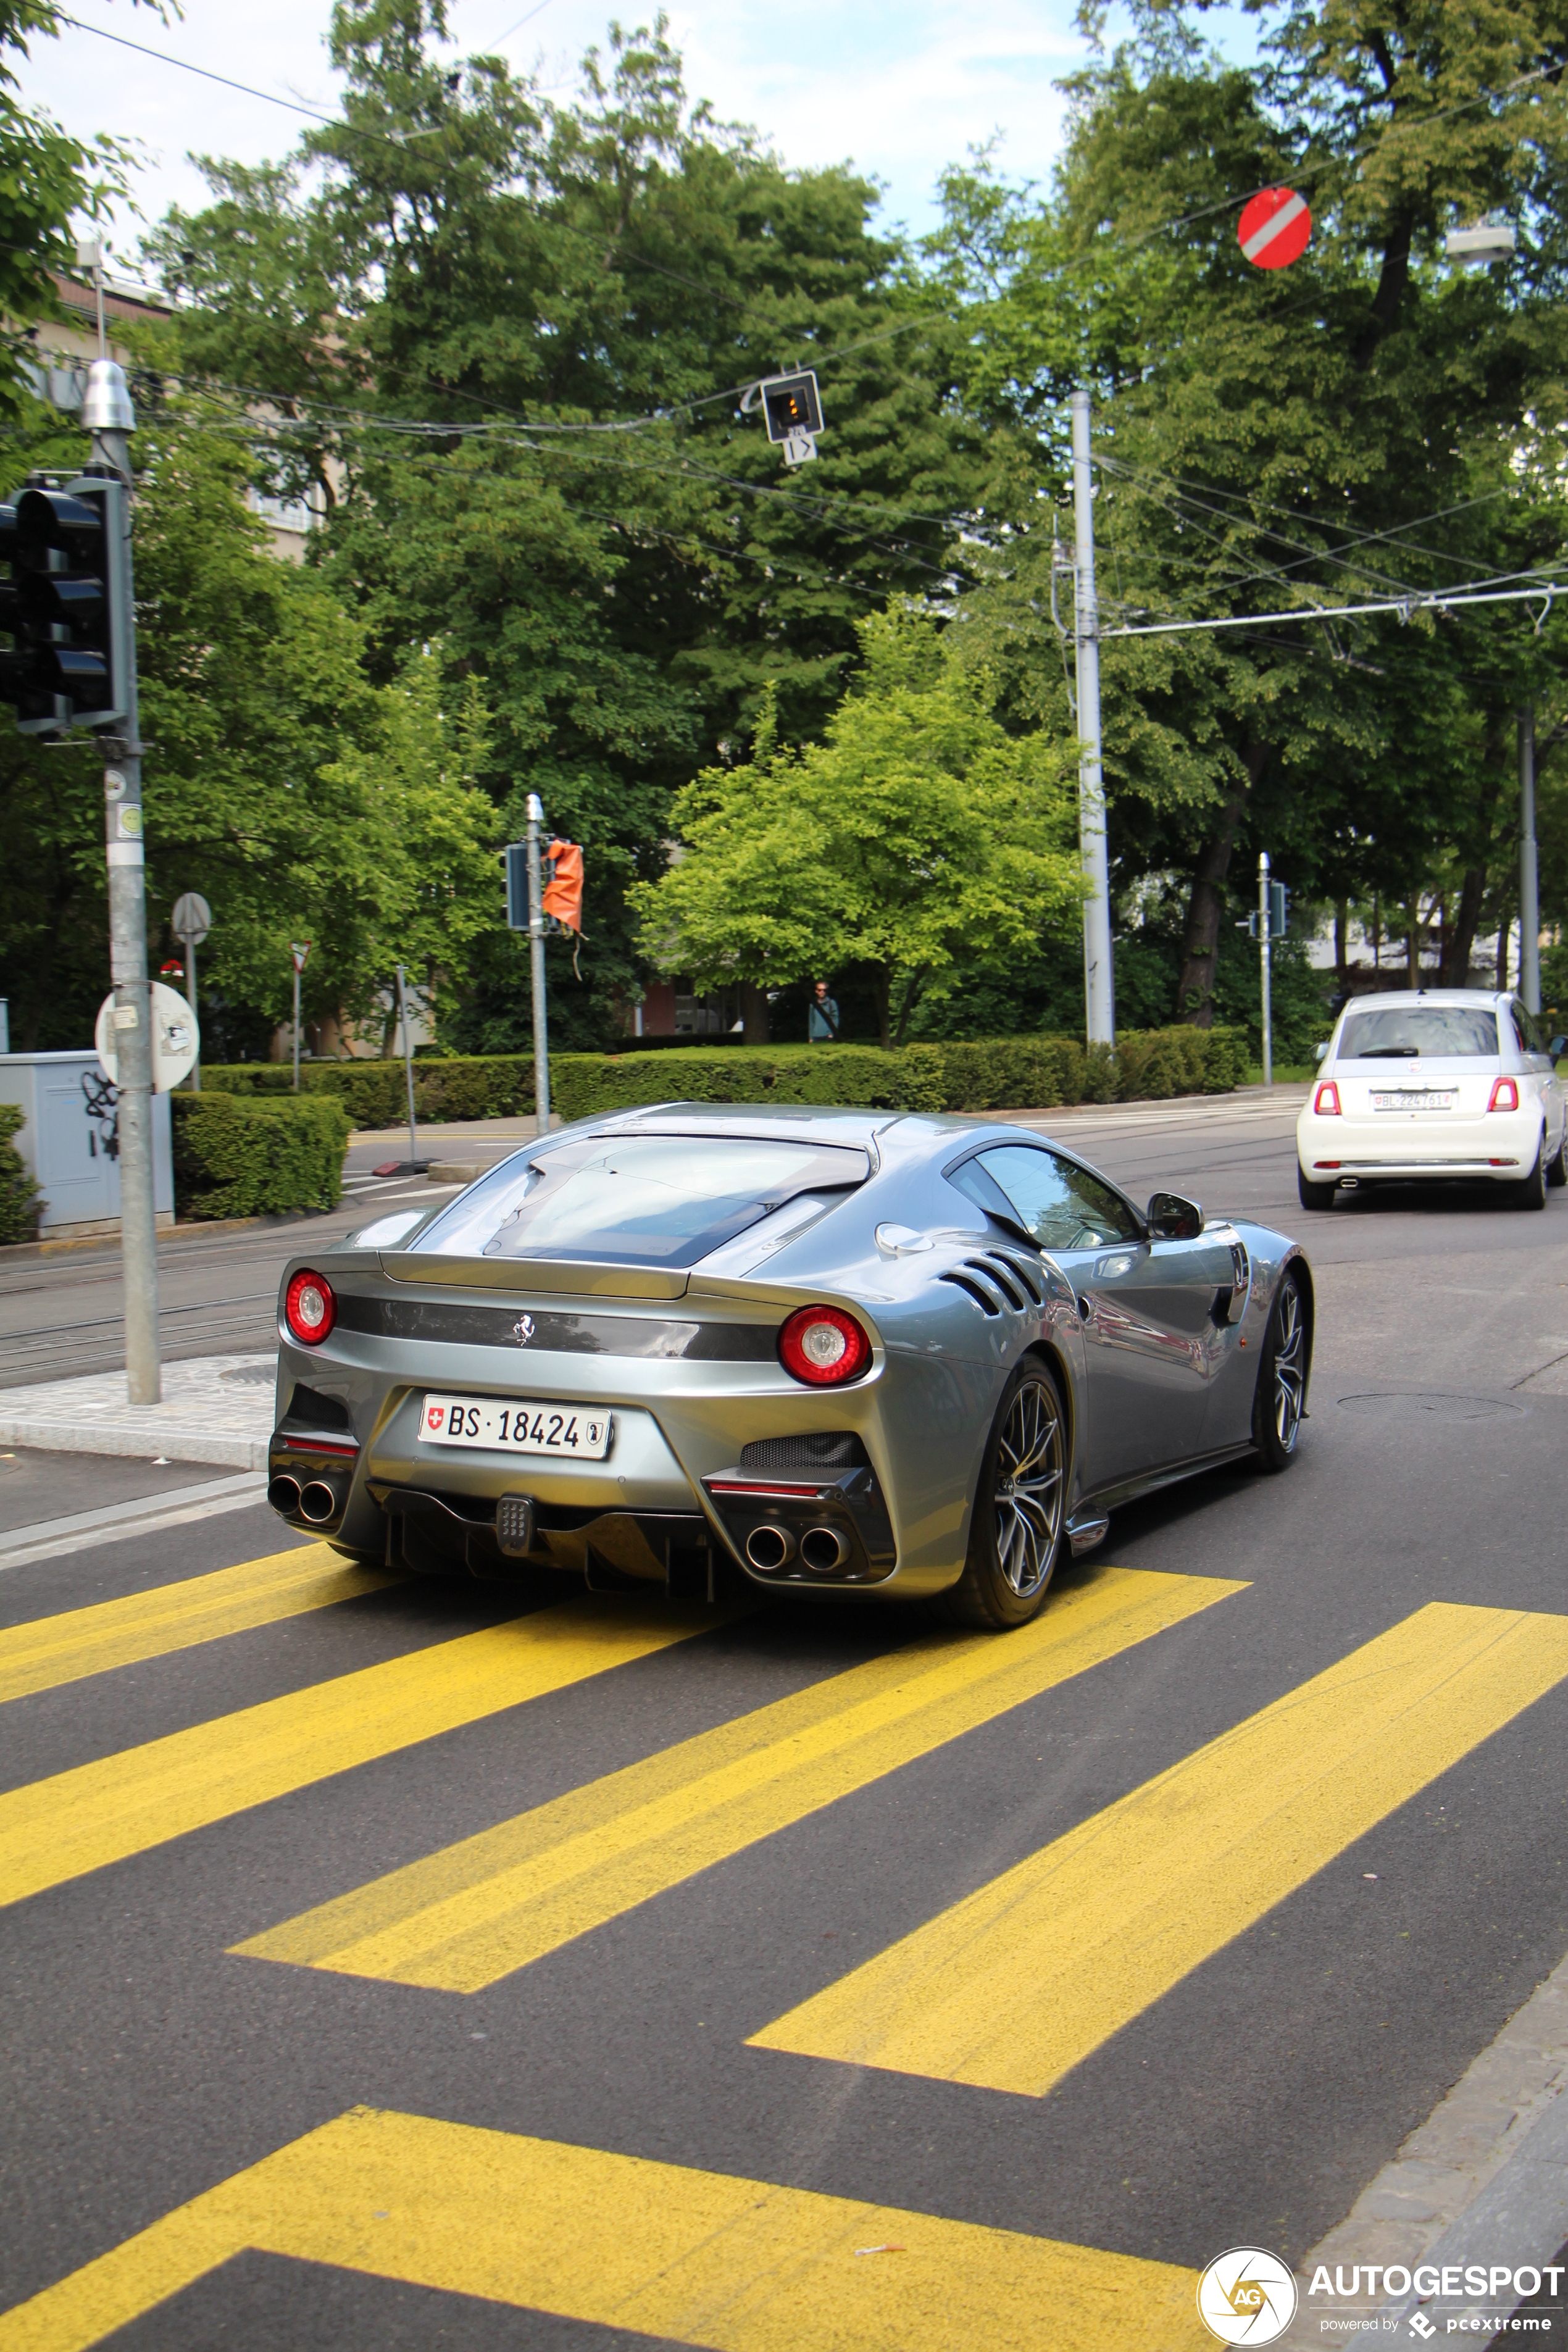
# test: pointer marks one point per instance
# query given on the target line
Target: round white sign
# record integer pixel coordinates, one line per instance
(1247, 2296)
(176, 1040)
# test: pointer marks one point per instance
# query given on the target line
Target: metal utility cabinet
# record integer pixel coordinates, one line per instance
(65, 1142)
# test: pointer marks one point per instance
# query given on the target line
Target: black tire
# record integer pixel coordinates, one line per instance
(1019, 1525)
(1530, 1192)
(1313, 1196)
(1281, 1403)
(1557, 1167)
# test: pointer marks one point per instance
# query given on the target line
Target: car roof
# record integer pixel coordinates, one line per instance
(1489, 997)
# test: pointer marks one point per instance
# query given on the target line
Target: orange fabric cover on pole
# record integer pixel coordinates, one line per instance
(563, 893)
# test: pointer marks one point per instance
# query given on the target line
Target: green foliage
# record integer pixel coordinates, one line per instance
(995, 1074)
(46, 179)
(918, 837)
(20, 1196)
(304, 800)
(236, 1157)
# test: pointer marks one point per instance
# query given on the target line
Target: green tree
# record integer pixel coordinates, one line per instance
(1344, 430)
(46, 180)
(918, 837)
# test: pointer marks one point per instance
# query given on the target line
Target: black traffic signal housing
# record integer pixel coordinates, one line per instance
(69, 666)
(515, 860)
(791, 404)
(1279, 910)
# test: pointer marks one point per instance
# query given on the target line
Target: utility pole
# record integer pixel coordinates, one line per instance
(298, 950)
(536, 968)
(1529, 878)
(109, 418)
(1100, 1000)
(408, 1068)
(1265, 912)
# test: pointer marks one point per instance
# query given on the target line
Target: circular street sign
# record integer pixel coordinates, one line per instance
(191, 919)
(176, 1040)
(1273, 228)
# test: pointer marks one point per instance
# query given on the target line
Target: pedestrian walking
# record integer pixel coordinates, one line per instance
(822, 1016)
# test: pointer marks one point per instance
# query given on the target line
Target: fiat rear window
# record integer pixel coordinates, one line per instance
(1396, 1032)
(637, 1200)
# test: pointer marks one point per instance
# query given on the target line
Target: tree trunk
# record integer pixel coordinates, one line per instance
(1200, 939)
(1412, 942)
(755, 1015)
(882, 989)
(911, 998)
(1342, 942)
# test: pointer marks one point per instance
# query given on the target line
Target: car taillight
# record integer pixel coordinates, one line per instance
(1505, 1095)
(309, 1308)
(1327, 1101)
(823, 1345)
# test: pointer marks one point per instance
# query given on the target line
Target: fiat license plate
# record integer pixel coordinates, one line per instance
(516, 1426)
(1413, 1101)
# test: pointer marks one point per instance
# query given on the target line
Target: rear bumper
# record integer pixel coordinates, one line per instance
(1409, 1146)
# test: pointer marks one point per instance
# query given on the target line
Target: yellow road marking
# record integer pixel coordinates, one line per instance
(122, 1804)
(50, 1651)
(704, 2258)
(476, 1911)
(1019, 1982)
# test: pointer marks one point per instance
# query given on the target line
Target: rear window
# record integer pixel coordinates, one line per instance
(639, 1199)
(1402, 1032)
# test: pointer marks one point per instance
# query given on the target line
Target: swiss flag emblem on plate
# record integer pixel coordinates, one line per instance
(434, 1415)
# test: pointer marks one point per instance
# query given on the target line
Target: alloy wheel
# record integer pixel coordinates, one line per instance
(1030, 1489)
(1289, 1356)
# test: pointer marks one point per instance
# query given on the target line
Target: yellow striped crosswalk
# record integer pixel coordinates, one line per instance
(463, 1917)
(118, 1805)
(1020, 1981)
(49, 1650)
(618, 2241)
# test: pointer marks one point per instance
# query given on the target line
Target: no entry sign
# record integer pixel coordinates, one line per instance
(1273, 228)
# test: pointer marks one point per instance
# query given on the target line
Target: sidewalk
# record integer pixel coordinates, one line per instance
(214, 1409)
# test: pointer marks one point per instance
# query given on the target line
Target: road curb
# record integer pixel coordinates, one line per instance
(179, 1442)
(1484, 2180)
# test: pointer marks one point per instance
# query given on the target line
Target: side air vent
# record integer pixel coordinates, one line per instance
(1239, 1266)
(983, 1297)
(824, 1449)
(1027, 1276)
(1004, 1274)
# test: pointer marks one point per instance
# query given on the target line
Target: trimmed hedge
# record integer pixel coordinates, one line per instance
(993, 1073)
(248, 1157)
(18, 1194)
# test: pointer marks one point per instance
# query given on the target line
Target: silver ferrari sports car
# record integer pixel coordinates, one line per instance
(830, 1351)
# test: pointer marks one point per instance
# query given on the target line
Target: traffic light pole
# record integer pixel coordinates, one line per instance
(1099, 997)
(109, 418)
(1265, 917)
(536, 968)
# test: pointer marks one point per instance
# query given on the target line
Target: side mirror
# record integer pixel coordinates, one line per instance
(1320, 1053)
(1174, 1219)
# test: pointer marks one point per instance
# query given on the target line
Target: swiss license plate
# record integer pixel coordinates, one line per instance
(1412, 1101)
(516, 1426)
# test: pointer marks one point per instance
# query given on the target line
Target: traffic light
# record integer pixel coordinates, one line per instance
(791, 404)
(1279, 910)
(66, 549)
(562, 895)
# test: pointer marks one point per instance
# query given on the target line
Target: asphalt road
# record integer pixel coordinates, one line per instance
(526, 2094)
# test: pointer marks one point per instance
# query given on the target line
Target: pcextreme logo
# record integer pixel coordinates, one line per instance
(1247, 2296)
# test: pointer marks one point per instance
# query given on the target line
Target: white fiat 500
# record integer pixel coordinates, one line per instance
(1451, 1082)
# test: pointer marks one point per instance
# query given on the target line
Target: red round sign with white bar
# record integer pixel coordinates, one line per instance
(1273, 228)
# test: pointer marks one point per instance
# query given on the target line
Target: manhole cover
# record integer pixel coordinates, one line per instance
(250, 1376)
(1424, 1406)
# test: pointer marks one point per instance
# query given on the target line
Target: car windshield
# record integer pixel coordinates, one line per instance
(643, 1200)
(1404, 1032)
